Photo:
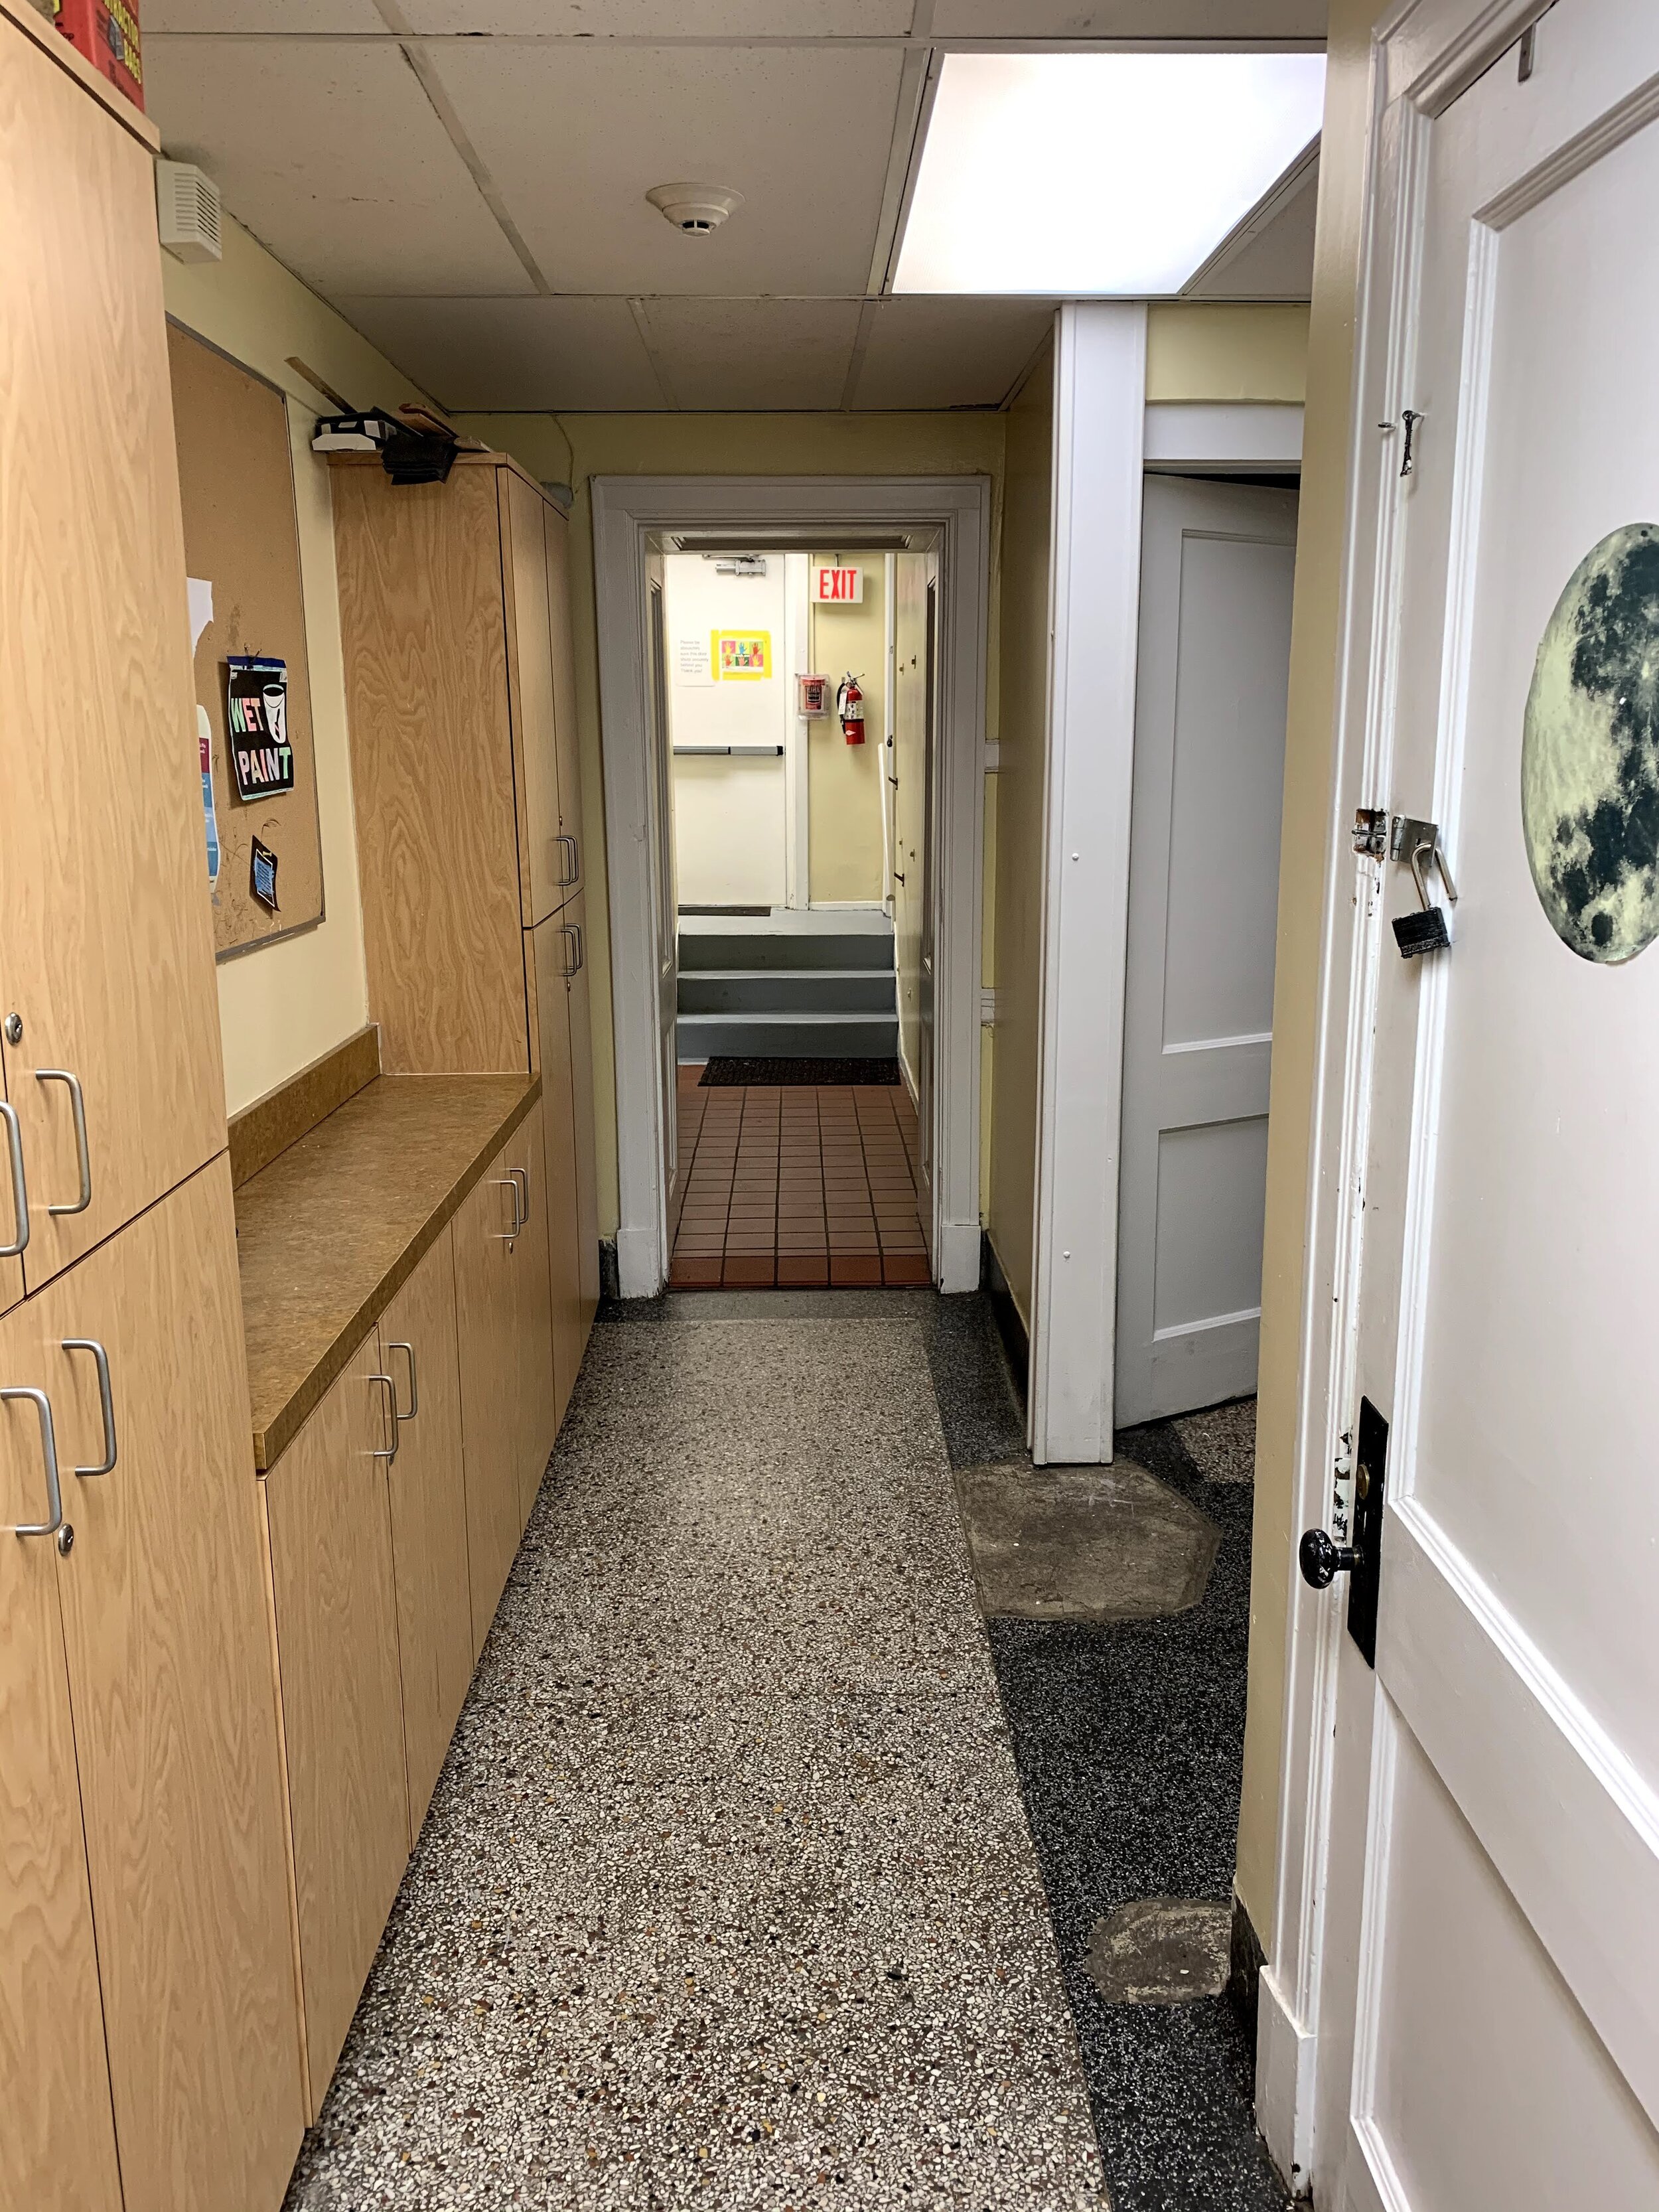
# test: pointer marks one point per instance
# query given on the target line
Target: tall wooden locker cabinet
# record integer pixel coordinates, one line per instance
(460, 683)
(148, 2018)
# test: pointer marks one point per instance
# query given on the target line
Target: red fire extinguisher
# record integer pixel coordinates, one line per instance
(849, 705)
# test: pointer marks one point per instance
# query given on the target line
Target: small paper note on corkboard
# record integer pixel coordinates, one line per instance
(262, 846)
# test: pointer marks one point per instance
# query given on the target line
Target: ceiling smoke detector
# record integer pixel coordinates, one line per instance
(694, 209)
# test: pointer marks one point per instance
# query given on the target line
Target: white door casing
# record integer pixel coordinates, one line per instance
(665, 905)
(1216, 562)
(628, 512)
(1467, 1915)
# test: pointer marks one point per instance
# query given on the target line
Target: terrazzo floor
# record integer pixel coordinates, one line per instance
(728, 1896)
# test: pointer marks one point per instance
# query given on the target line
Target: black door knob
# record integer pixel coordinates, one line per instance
(1322, 1561)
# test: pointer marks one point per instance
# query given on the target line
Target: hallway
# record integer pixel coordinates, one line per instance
(726, 1894)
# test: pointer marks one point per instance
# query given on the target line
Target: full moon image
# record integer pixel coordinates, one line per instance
(1589, 752)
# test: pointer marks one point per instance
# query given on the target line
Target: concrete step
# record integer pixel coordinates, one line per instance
(701, 950)
(787, 1037)
(786, 991)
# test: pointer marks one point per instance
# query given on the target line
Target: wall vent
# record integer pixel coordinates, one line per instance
(187, 212)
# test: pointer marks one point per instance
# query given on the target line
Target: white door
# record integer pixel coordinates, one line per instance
(1217, 563)
(1492, 1915)
(665, 917)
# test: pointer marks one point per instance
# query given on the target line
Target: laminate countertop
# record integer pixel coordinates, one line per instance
(329, 1232)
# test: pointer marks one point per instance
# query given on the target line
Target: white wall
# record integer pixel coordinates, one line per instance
(731, 822)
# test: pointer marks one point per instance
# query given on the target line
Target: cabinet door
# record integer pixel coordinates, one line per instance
(429, 1519)
(57, 2143)
(582, 1122)
(527, 1262)
(336, 1639)
(543, 864)
(551, 949)
(167, 1629)
(107, 956)
(486, 1329)
(557, 533)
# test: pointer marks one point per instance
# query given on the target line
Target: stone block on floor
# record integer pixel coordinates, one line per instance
(1083, 1543)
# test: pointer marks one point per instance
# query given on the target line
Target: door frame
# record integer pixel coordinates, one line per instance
(627, 511)
(1424, 54)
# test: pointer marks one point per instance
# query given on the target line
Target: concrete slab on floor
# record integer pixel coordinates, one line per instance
(1083, 1543)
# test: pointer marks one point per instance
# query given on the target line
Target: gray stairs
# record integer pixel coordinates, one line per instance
(780, 988)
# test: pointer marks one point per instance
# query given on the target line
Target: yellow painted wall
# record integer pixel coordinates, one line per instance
(1226, 352)
(282, 1006)
(573, 448)
(843, 781)
(1303, 857)
(1023, 720)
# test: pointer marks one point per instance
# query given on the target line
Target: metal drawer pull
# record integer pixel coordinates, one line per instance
(521, 1176)
(105, 1399)
(408, 1351)
(509, 1236)
(572, 931)
(78, 1107)
(42, 1405)
(20, 1189)
(391, 1400)
(565, 839)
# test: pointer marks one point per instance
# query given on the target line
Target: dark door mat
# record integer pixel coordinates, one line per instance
(749, 910)
(795, 1074)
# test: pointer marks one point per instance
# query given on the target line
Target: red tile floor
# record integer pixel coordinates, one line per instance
(795, 1187)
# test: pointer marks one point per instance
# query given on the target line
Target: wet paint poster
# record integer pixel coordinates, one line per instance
(256, 726)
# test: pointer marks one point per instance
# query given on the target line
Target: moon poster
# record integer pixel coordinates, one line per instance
(1589, 752)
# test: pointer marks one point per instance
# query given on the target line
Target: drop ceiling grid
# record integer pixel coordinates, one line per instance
(574, 136)
(333, 157)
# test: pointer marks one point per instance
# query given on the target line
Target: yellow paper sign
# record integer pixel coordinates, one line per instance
(740, 656)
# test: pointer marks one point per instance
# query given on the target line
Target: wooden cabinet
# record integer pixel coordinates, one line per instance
(535, 1397)
(556, 535)
(57, 2145)
(484, 1286)
(337, 1630)
(166, 1637)
(419, 1346)
(107, 954)
(551, 951)
(544, 862)
(579, 1009)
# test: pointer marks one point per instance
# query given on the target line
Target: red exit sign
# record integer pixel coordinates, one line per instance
(837, 588)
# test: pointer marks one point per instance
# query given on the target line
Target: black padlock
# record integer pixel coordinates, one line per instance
(1424, 931)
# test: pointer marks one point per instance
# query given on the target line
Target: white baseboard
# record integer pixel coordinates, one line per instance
(1284, 2086)
(958, 1256)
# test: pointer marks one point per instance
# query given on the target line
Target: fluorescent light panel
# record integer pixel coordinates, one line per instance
(1070, 175)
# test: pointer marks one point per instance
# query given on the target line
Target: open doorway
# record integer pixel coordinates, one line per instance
(797, 698)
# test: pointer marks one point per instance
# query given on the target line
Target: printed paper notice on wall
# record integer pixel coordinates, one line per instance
(691, 662)
(740, 656)
(256, 726)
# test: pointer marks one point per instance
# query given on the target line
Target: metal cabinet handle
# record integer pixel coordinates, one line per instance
(42, 1405)
(20, 1189)
(574, 850)
(571, 932)
(408, 1351)
(509, 1236)
(581, 949)
(521, 1179)
(391, 1402)
(78, 1107)
(105, 1399)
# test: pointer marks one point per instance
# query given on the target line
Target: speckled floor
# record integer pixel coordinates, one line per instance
(727, 1896)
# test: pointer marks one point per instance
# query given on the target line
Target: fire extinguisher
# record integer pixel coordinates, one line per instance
(849, 705)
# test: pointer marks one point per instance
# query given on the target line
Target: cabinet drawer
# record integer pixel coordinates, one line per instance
(336, 1635)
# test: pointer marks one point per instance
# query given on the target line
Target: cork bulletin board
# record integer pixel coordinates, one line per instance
(242, 544)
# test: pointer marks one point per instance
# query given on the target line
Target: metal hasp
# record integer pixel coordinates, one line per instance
(1322, 1561)
(1371, 832)
(1418, 844)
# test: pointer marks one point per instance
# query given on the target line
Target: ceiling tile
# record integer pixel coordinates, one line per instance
(1129, 19)
(513, 356)
(739, 354)
(296, 18)
(1271, 259)
(941, 352)
(574, 135)
(332, 156)
(658, 19)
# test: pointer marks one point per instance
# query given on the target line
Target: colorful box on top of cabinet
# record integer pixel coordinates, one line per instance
(106, 33)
